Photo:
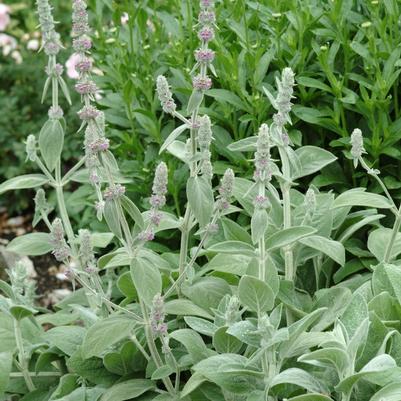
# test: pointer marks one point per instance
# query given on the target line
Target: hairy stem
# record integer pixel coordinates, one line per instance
(21, 356)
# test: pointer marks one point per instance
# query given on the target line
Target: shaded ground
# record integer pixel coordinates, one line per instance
(47, 272)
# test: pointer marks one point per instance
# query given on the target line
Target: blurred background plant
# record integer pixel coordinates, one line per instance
(346, 55)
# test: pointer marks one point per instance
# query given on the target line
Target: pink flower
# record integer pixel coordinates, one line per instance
(71, 63)
(8, 43)
(4, 16)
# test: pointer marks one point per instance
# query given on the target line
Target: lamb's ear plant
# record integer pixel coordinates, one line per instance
(245, 310)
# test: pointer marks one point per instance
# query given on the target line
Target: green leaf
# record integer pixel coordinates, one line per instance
(91, 369)
(233, 247)
(300, 378)
(184, 307)
(244, 145)
(201, 326)
(288, 236)
(223, 95)
(259, 224)
(230, 372)
(194, 101)
(32, 244)
(255, 294)
(162, 372)
(378, 366)
(123, 362)
(333, 249)
(310, 397)
(112, 217)
(327, 357)
(392, 392)
(312, 159)
(101, 240)
(172, 137)
(200, 199)
(67, 384)
(128, 389)
(229, 263)
(147, 279)
(224, 342)
(66, 338)
(360, 198)
(313, 83)
(132, 210)
(193, 343)
(378, 241)
(355, 314)
(23, 182)
(51, 140)
(192, 384)
(104, 333)
(6, 359)
(393, 274)
(21, 311)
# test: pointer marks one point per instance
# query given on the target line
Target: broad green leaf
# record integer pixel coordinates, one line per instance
(255, 294)
(51, 140)
(123, 362)
(300, 378)
(313, 83)
(327, 357)
(200, 199)
(223, 342)
(288, 236)
(244, 145)
(200, 325)
(91, 369)
(246, 332)
(226, 263)
(310, 397)
(6, 359)
(147, 279)
(104, 333)
(192, 384)
(228, 97)
(193, 343)
(206, 292)
(258, 224)
(101, 240)
(361, 198)
(184, 307)
(172, 137)
(128, 389)
(378, 241)
(32, 244)
(392, 392)
(378, 366)
(23, 181)
(333, 249)
(21, 311)
(355, 314)
(66, 338)
(393, 273)
(233, 247)
(112, 216)
(194, 101)
(133, 211)
(67, 384)
(230, 372)
(162, 372)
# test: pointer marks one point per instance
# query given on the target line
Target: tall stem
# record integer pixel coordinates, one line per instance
(285, 189)
(21, 356)
(396, 229)
(152, 348)
(261, 242)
